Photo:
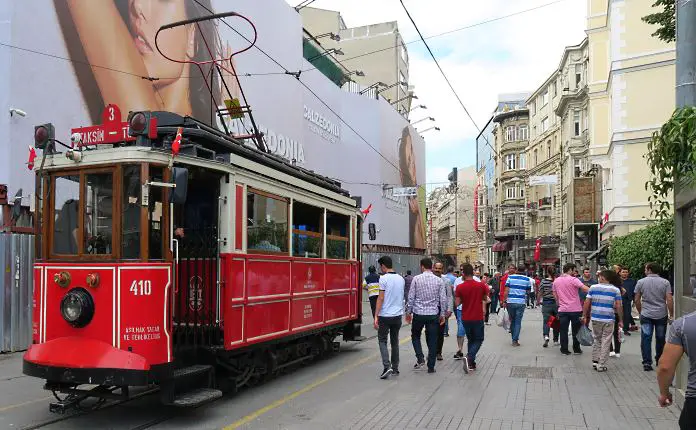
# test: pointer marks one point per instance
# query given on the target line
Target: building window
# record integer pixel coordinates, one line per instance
(533, 108)
(554, 86)
(578, 75)
(577, 168)
(510, 133)
(544, 124)
(523, 132)
(481, 220)
(523, 161)
(535, 131)
(536, 156)
(576, 122)
(511, 192)
(510, 162)
(544, 98)
(548, 149)
(521, 192)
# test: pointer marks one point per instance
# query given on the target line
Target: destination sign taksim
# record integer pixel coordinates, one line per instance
(112, 130)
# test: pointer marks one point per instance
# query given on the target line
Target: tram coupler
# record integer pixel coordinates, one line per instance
(336, 346)
(76, 396)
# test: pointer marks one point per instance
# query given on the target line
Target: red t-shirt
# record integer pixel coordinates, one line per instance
(472, 293)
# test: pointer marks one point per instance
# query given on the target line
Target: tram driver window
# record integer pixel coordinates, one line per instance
(337, 235)
(130, 243)
(267, 223)
(65, 224)
(99, 192)
(155, 215)
(307, 222)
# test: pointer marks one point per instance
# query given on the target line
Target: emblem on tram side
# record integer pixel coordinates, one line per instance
(309, 284)
(195, 295)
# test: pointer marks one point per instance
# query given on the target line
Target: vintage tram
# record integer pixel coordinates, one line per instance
(172, 254)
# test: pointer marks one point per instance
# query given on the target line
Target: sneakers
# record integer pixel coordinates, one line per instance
(556, 343)
(546, 341)
(594, 365)
(418, 365)
(395, 371)
(647, 367)
(439, 357)
(565, 352)
(431, 370)
(577, 351)
(612, 354)
(617, 355)
(385, 373)
(466, 365)
(458, 355)
(515, 343)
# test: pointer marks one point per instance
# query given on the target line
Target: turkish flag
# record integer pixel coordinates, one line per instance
(537, 250)
(367, 211)
(176, 145)
(32, 157)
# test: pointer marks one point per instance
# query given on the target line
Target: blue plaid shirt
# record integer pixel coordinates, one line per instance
(427, 295)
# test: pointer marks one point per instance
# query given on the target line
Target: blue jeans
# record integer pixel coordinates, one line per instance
(474, 334)
(460, 326)
(647, 325)
(516, 311)
(432, 328)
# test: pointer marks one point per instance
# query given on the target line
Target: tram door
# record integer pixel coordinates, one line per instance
(196, 230)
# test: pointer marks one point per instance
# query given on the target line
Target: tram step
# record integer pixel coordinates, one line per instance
(196, 397)
(196, 369)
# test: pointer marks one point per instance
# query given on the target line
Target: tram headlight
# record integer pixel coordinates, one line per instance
(77, 307)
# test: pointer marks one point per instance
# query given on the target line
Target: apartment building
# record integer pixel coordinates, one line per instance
(631, 82)
(387, 70)
(511, 136)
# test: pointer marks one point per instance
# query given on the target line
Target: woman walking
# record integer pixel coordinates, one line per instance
(549, 307)
(602, 303)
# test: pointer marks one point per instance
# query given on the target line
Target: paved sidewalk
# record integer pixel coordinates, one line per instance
(514, 388)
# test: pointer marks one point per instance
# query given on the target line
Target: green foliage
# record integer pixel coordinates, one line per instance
(665, 19)
(654, 243)
(671, 157)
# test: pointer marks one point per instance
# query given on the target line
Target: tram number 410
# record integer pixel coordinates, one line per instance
(141, 288)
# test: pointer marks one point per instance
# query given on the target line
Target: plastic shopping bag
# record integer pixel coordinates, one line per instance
(502, 315)
(554, 322)
(585, 336)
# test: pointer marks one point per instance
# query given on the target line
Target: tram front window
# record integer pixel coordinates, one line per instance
(98, 213)
(66, 221)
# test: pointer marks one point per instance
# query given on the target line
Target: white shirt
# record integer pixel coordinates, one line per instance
(393, 286)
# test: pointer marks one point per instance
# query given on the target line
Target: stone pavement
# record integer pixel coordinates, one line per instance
(514, 388)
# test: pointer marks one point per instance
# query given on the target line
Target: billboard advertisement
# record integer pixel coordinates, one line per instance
(88, 54)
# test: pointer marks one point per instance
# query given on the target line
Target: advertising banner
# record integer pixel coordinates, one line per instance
(89, 54)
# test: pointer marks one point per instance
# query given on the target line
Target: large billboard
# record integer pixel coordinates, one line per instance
(67, 60)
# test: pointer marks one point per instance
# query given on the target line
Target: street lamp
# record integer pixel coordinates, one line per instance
(373, 86)
(405, 84)
(428, 129)
(331, 35)
(410, 96)
(325, 53)
(424, 119)
(356, 73)
(419, 106)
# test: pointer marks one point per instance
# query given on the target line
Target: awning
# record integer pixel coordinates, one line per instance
(502, 246)
(550, 261)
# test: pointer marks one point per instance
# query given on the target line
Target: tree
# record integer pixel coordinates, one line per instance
(654, 243)
(666, 20)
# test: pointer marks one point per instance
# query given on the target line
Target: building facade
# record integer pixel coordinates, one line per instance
(388, 66)
(485, 195)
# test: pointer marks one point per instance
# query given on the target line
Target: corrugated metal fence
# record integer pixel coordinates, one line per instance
(402, 262)
(16, 291)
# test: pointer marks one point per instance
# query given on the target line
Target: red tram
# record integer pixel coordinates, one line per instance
(200, 272)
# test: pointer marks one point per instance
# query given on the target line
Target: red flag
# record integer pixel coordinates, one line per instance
(176, 145)
(537, 250)
(32, 157)
(367, 211)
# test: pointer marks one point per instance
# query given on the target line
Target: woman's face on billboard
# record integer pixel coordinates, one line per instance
(410, 161)
(145, 18)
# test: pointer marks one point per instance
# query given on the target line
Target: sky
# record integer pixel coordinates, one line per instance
(513, 54)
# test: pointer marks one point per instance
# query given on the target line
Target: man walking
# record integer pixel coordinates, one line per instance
(603, 300)
(587, 280)
(426, 307)
(681, 339)
(451, 278)
(389, 309)
(516, 289)
(655, 305)
(630, 286)
(407, 279)
(495, 291)
(437, 270)
(372, 286)
(503, 281)
(471, 295)
(566, 289)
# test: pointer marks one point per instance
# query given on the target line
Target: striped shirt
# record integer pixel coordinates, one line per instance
(427, 296)
(518, 286)
(372, 284)
(546, 289)
(603, 298)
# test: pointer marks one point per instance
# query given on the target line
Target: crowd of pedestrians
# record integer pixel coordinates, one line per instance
(570, 302)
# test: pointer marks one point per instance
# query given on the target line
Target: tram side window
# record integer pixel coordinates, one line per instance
(267, 223)
(337, 235)
(99, 191)
(130, 243)
(66, 221)
(307, 222)
(155, 215)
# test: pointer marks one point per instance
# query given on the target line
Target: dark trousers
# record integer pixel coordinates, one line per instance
(567, 319)
(531, 300)
(627, 317)
(616, 341)
(494, 303)
(488, 311)
(647, 325)
(474, 336)
(432, 327)
(389, 326)
(441, 330)
(548, 310)
(373, 305)
(687, 419)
